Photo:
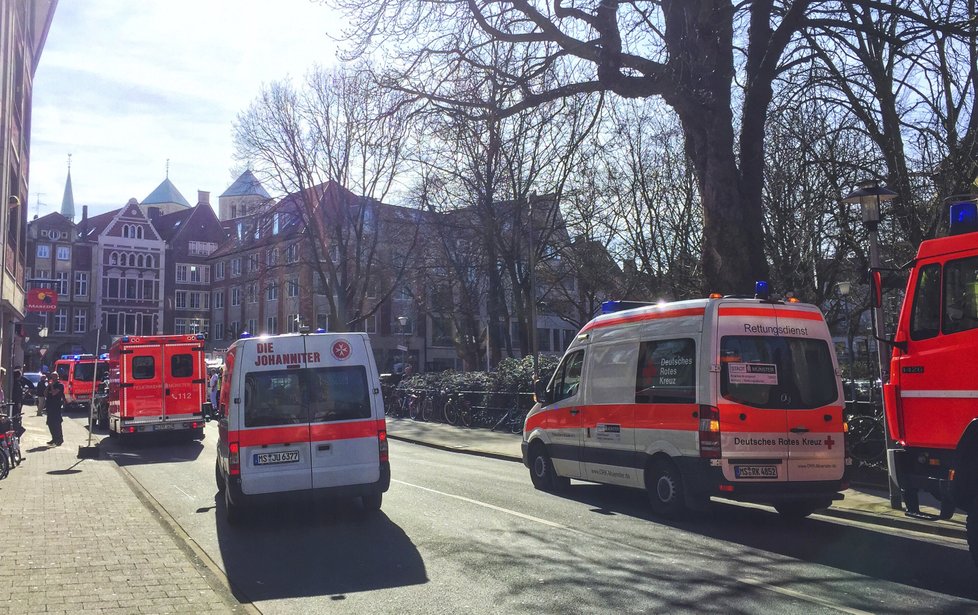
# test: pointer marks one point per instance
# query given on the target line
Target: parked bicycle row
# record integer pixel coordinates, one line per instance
(491, 410)
(10, 432)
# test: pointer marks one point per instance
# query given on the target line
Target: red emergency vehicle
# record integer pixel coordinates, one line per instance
(157, 383)
(931, 398)
(79, 373)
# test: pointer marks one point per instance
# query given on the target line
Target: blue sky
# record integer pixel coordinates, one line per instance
(123, 86)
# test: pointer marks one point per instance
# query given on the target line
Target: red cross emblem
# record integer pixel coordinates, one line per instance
(341, 350)
(829, 442)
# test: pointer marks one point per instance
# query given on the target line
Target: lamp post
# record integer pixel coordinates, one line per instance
(844, 289)
(870, 195)
(403, 320)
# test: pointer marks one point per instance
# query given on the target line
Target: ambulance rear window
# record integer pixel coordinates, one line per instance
(777, 372)
(143, 367)
(291, 396)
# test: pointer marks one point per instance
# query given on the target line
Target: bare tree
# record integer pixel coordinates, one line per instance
(335, 147)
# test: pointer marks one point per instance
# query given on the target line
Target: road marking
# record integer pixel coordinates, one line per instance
(189, 497)
(777, 589)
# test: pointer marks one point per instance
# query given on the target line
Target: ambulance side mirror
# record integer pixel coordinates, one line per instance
(540, 393)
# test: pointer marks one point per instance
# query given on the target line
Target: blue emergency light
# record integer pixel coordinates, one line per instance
(964, 218)
(244, 335)
(320, 330)
(761, 290)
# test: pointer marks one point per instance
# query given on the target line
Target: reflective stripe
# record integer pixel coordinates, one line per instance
(654, 315)
(941, 394)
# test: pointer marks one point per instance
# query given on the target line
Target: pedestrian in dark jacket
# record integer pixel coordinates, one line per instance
(55, 395)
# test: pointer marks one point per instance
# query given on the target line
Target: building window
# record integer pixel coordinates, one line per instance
(252, 263)
(43, 250)
(293, 287)
(81, 321)
(441, 332)
(271, 325)
(219, 270)
(193, 274)
(234, 329)
(201, 248)
(271, 257)
(293, 323)
(218, 299)
(271, 293)
(253, 293)
(181, 300)
(252, 325)
(235, 295)
(61, 320)
(61, 285)
(64, 253)
(235, 267)
(370, 324)
(292, 253)
(219, 331)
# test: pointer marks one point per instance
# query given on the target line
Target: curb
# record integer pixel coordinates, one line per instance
(848, 514)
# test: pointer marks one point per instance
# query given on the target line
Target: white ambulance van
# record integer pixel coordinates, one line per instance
(299, 415)
(732, 397)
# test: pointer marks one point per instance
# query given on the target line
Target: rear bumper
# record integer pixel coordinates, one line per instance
(325, 493)
(702, 479)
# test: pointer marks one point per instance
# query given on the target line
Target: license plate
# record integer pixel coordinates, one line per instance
(756, 471)
(164, 427)
(261, 459)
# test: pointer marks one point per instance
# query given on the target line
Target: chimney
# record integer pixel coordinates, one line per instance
(203, 197)
(84, 213)
(83, 225)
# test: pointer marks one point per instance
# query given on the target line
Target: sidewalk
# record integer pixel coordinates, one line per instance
(79, 539)
(862, 504)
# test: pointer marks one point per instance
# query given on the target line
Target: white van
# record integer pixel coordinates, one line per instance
(301, 414)
(730, 397)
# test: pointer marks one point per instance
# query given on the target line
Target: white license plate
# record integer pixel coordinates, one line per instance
(261, 459)
(164, 427)
(756, 471)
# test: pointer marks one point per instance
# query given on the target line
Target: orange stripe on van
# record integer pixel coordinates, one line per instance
(346, 431)
(621, 320)
(629, 416)
(769, 312)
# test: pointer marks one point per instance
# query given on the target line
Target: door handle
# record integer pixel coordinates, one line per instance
(799, 430)
(323, 447)
(574, 411)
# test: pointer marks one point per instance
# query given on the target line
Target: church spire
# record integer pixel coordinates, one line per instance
(68, 201)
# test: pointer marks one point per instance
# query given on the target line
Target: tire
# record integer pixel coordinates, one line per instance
(372, 502)
(16, 455)
(516, 425)
(414, 408)
(233, 513)
(664, 484)
(4, 464)
(542, 472)
(219, 478)
(427, 410)
(795, 511)
(972, 531)
(451, 412)
(465, 415)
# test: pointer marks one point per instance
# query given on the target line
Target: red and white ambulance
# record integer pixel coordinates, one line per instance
(301, 414)
(731, 397)
(157, 383)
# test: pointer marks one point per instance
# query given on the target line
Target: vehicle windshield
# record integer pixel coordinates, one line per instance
(85, 373)
(325, 394)
(777, 372)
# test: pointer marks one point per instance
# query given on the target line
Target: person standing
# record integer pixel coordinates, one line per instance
(55, 402)
(213, 387)
(39, 392)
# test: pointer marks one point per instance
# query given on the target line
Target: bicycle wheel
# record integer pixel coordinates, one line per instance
(414, 408)
(451, 412)
(465, 414)
(4, 463)
(427, 409)
(865, 439)
(516, 425)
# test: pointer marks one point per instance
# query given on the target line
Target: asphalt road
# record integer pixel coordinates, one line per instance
(462, 533)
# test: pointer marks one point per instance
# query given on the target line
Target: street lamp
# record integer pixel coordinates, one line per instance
(844, 288)
(403, 320)
(870, 195)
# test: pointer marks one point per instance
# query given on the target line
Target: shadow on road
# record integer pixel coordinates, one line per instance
(151, 448)
(315, 549)
(903, 559)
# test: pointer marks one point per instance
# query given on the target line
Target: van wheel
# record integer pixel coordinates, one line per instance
(219, 478)
(232, 512)
(797, 510)
(542, 471)
(665, 486)
(372, 502)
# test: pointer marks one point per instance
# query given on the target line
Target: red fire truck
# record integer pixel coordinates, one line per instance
(931, 398)
(157, 383)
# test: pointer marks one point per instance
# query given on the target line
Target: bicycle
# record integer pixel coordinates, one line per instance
(513, 420)
(865, 439)
(10, 453)
(458, 410)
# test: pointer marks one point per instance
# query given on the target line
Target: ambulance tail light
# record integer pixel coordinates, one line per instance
(382, 445)
(234, 459)
(709, 432)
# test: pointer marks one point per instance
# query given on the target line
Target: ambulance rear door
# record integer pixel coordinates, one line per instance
(141, 380)
(183, 379)
(273, 435)
(340, 390)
